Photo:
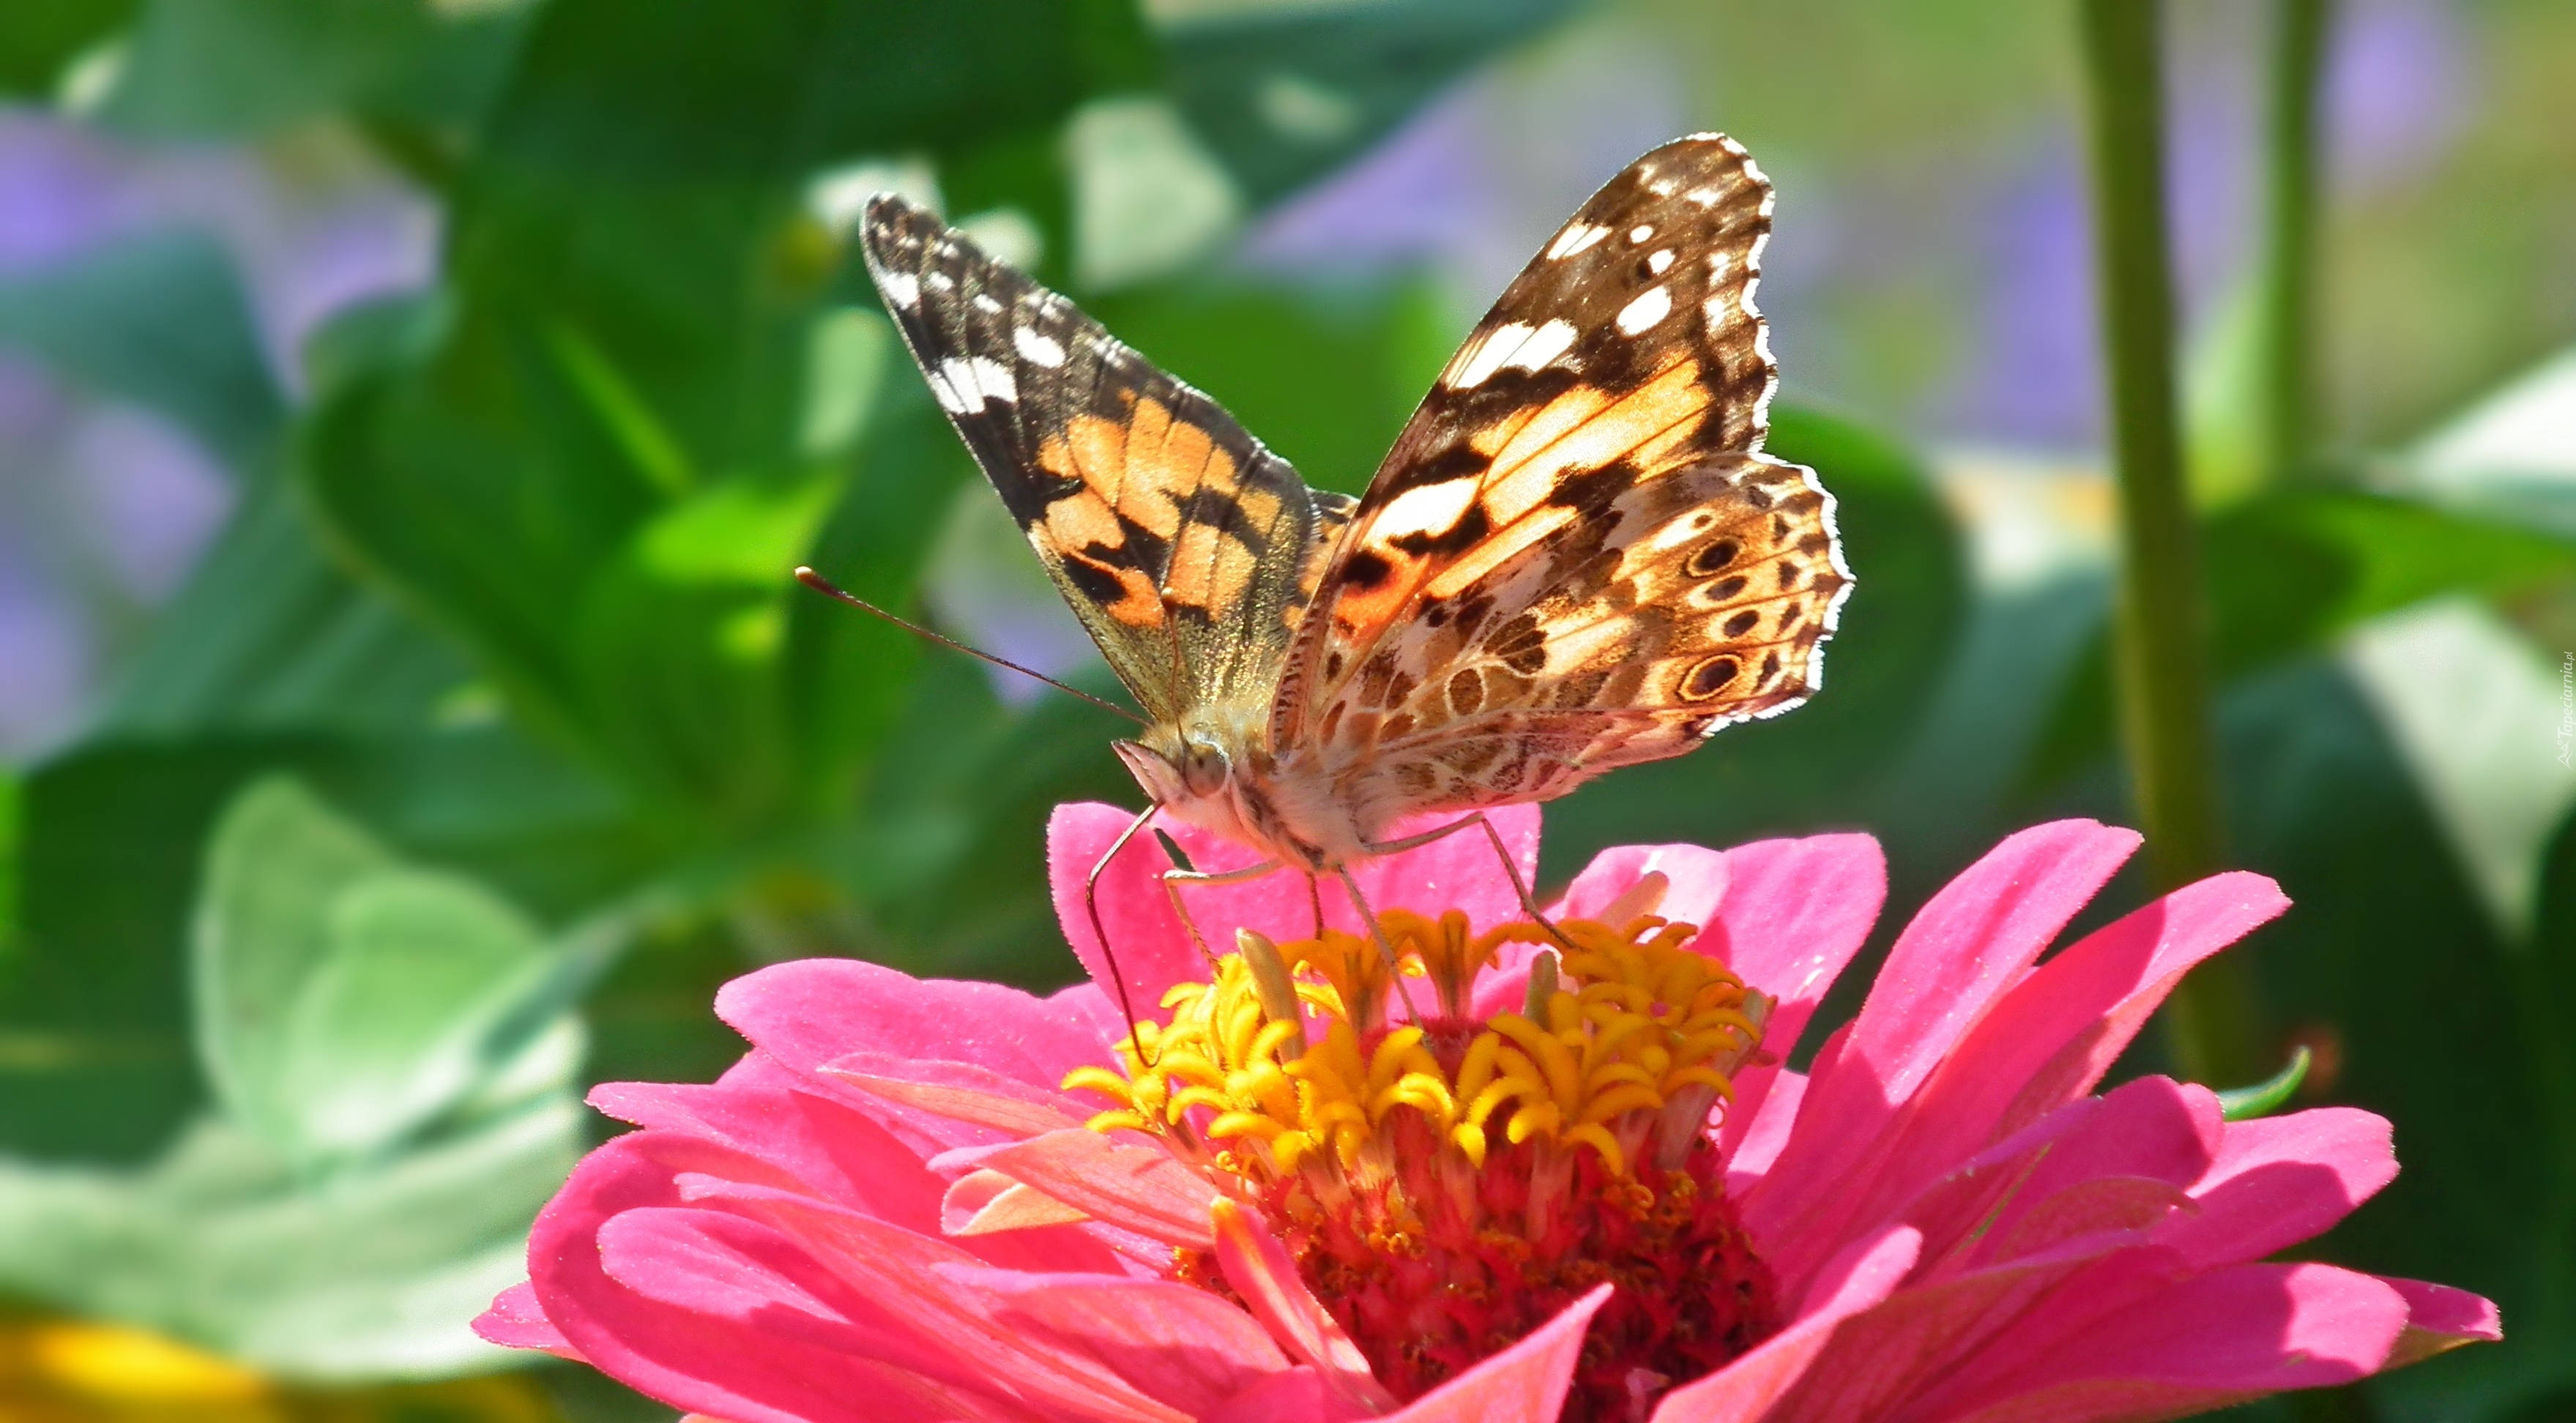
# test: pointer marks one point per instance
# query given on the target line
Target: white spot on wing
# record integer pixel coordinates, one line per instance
(1544, 345)
(1038, 348)
(1638, 234)
(1576, 237)
(976, 380)
(1428, 509)
(1653, 306)
(950, 398)
(1659, 261)
(941, 282)
(986, 303)
(901, 288)
(1487, 356)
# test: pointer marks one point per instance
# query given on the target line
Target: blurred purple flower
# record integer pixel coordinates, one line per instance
(103, 507)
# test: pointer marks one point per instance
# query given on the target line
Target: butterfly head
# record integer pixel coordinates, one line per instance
(1177, 766)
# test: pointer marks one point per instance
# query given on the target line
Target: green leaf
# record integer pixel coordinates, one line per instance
(2244, 1104)
(2289, 572)
(949, 857)
(246, 67)
(776, 88)
(489, 480)
(268, 635)
(371, 1275)
(159, 320)
(2441, 1026)
(345, 1000)
(94, 1055)
(1285, 93)
(38, 42)
(679, 644)
(12, 800)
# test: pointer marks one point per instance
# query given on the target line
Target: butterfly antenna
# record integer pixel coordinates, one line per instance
(825, 586)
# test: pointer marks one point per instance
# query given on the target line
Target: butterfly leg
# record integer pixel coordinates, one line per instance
(1100, 935)
(1174, 879)
(1493, 837)
(1377, 931)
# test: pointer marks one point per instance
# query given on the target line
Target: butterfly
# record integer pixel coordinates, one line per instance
(1576, 557)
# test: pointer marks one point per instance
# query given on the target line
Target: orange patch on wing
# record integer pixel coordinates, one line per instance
(1211, 571)
(1138, 605)
(1080, 520)
(1584, 430)
(1498, 547)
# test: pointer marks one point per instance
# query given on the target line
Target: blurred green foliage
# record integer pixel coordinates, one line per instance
(490, 735)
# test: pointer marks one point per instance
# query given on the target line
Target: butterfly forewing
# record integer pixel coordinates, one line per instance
(1184, 546)
(1576, 557)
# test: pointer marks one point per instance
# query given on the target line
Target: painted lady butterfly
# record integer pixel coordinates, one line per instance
(1575, 558)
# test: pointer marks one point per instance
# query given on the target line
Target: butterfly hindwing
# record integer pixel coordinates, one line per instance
(1183, 544)
(1552, 573)
(1691, 602)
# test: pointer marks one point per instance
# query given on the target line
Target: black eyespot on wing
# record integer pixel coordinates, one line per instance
(1712, 558)
(1710, 678)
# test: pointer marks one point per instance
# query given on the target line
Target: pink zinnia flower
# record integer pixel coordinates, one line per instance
(1599, 1196)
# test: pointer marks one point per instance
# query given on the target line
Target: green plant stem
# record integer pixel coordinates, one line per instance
(2160, 660)
(2288, 295)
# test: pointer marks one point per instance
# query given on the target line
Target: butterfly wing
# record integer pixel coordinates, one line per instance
(1576, 557)
(1185, 547)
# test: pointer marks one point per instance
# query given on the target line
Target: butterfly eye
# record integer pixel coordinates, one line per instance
(1203, 767)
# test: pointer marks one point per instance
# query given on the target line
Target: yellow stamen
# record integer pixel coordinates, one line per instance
(1631, 1032)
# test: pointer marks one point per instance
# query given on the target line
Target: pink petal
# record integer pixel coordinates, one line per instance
(988, 1203)
(1887, 1354)
(1459, 871)
(2151, 1130)
(959, 1090)
(745, 1342)
(1258, 1267)
(1525, 1383)
(1794, 913)
(1866, 1272)
(2211, 1339)
(1298, 1395)
(1758, 1142)
(1973, 941)
(819, 1142)
(952, 1333)
(2104, 1205)
(2055, 1033)
(1153, 951)
(814, 1011)
(2438, 1318)
(1176, 1344)
(1138, 1188)
(517, 1321)
(1696, 876)
(2280, 1180)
